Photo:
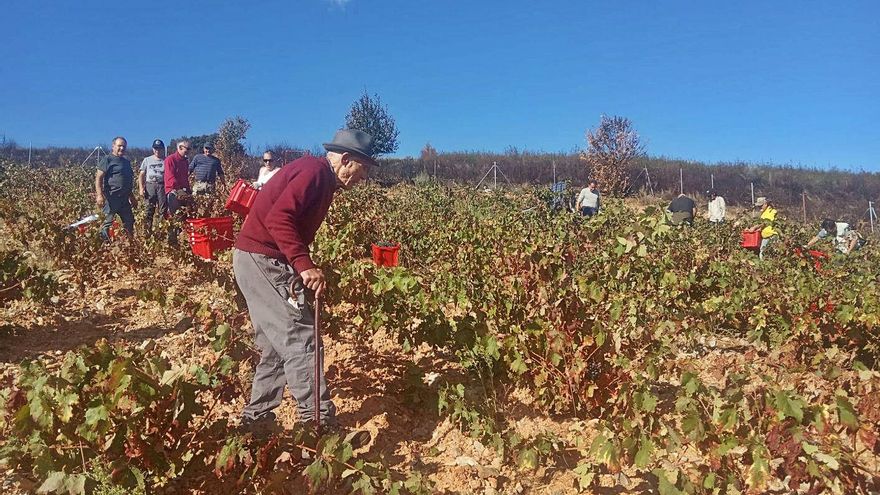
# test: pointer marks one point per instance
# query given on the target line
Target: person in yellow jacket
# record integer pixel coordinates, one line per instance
(768, 221)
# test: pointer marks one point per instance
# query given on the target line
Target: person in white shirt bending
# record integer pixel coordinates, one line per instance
(267, 170)
(717, 207)
(588, 200)
(845, 239)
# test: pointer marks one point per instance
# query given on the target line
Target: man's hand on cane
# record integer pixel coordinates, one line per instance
(313, 279)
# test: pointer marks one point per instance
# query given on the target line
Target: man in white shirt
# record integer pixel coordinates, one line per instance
(588, 200)
(845, 239)
(717, 207)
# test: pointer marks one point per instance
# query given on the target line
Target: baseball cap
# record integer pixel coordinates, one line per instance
(158, 145)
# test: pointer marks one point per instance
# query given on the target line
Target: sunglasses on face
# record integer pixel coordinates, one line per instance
(267, 160)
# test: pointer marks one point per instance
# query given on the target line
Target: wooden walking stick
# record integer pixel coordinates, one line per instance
(318, 363)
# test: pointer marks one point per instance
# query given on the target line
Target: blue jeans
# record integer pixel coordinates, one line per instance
(589, 211)
(115, 205)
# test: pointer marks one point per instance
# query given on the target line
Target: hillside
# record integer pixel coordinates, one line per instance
(513, 351)
(838, 194)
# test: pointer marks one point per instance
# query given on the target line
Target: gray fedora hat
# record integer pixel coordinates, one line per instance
(352, 141)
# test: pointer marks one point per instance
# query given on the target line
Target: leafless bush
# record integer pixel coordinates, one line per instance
(611, 148)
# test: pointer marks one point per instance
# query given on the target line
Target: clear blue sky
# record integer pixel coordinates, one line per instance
(780, 81)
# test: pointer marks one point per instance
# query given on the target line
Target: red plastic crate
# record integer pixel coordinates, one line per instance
(751, 239)
(813, 255)
(111, 232)
(210, 235)
(241, 197)
(386, 255)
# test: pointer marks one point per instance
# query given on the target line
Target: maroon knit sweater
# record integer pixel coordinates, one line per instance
(288, 211)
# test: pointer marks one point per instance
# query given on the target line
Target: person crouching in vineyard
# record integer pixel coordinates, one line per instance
(273, 269)
(768, 220)
(682, 210)
(114, 189)
(844, 238)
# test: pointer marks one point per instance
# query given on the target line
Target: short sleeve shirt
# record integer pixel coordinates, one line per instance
(154, 168)
(841, 236)
(118, 175)
(682, 204)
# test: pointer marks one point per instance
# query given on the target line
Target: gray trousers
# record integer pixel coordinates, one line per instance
(155, 196)
(284, 334)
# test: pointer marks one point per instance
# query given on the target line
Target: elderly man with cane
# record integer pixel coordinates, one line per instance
(277, 276)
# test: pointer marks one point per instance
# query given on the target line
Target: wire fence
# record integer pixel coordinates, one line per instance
(803, 194)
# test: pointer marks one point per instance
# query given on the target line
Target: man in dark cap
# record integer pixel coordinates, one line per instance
(151, 182)
(274, 270)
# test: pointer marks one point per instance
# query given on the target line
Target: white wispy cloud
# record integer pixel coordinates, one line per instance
(339, 3)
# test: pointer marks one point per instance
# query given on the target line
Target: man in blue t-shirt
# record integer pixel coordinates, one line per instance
(114, 188)
(206, 168)
(151, 182)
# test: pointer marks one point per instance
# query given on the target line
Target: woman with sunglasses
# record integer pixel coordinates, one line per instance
(267, 170)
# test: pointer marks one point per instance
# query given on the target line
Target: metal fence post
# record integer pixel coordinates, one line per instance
(804, 202)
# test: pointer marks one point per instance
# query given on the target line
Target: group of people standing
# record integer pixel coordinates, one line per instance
(163, 182)
(682, 209)
(271, 258)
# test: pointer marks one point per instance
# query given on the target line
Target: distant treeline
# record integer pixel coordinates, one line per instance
(832, 193)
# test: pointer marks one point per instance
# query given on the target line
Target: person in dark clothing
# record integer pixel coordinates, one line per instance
(114, 189)
(682, 209)
(206, 169)
(273, 268)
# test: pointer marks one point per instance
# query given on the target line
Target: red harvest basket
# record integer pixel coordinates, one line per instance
(817, 257)
(241, 197)
(386, 255)
(751, 239)
(209, 235)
